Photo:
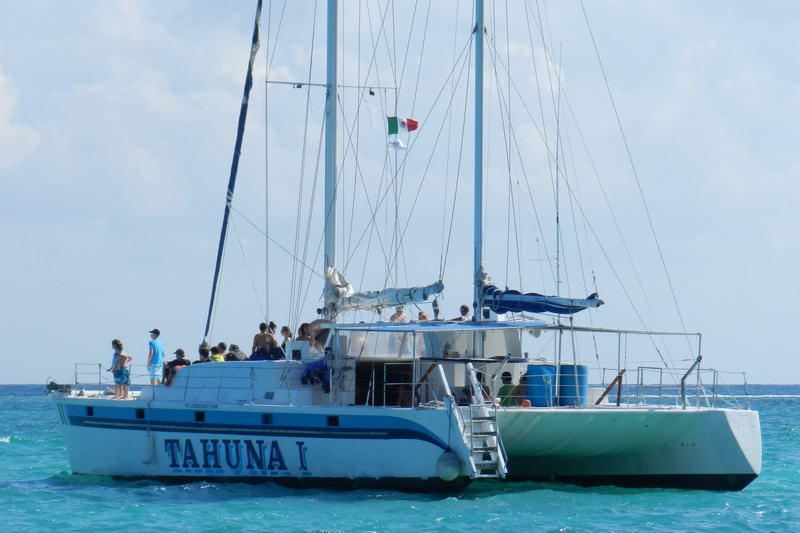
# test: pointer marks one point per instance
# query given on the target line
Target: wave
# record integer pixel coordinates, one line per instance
(5, 440)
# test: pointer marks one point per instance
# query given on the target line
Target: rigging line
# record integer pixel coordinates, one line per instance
(504, 105)
(360, 174)
(635, 173)
(393, 63)
(397, 191)
(449, 143)
(504, 114)
(430, 160)
(340, 176)
(458, 165)
(393, 53)
(538, 89)
(277, 35)
(522, 164)
(357, 120)
(381, 33)
(342, 22)
(308, 283)
(213, 321)
(559, 239)
(616, 274)
(578, 244)
(572, 210)
(558, 158)
(276, 243)
(292, 298)
(508, 152)
(360, 103)
(408, 42)
(416, 87)
(467, 46)
(546, 51)
(383, 103)
(267, 54)
(413, 142)
(614, 218)
(247, 267)
(416, 84)
(311, 203)
(599, 244)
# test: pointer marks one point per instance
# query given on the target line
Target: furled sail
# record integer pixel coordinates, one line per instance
(510, 301)
(343, 298)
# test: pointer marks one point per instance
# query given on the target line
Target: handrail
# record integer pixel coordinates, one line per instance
(686, 375)
(616, 381)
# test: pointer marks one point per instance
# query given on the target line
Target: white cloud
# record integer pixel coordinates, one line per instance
(17, 141)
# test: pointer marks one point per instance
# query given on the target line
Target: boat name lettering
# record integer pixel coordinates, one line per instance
(212, 453)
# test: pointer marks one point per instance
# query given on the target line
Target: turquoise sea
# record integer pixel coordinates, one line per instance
(37, 492)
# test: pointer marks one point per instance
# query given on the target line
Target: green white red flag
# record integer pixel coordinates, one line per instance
(394, 124)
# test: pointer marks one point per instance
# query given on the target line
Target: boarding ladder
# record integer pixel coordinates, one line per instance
(481, 432)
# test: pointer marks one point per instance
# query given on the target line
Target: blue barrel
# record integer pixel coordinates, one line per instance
(539, 385)
(573, 385)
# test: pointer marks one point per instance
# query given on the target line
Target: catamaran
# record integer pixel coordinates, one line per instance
(429, 405)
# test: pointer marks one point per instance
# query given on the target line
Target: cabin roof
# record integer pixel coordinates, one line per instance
(437, 326)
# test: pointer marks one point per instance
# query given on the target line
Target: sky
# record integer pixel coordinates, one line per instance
(117, 125)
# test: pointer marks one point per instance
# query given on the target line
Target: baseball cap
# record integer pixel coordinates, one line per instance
(156, 331)
(178, 352)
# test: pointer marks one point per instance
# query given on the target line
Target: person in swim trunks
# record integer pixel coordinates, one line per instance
(120, 370)
(155, 357)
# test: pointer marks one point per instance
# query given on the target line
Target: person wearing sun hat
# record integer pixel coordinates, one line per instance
(155, 357)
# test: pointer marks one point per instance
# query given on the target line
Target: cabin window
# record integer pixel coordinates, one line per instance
(296, 354)
(89, 411)
(140, 414)
(199, 416)
(333, 421)
(270, 395)
(266, 418)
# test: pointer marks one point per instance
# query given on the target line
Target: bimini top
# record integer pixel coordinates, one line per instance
(434, 326)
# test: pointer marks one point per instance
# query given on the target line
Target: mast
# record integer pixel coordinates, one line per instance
(477, 302)
(330, 154)
(237, 152)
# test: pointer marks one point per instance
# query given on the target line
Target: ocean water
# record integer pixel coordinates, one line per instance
(37, 492)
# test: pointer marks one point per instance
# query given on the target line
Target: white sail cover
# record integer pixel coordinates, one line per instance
(343, 298)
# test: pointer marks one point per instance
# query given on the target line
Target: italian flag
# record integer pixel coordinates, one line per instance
(394, 124)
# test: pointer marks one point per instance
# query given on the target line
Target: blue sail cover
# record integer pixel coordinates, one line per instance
(510, 301)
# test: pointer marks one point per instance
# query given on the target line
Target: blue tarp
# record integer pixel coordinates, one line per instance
(511, 301)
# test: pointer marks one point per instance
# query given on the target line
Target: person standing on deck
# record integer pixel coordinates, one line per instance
(463, 314)
(263, 341)
(120, 370)
(399, 315)
(155, 357)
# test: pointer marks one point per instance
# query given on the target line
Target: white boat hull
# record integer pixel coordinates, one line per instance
(717, 449)
(341, 446)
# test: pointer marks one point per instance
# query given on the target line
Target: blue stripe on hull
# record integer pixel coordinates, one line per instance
(267, 431)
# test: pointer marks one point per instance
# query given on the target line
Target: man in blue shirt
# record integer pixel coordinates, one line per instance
(155, 357)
